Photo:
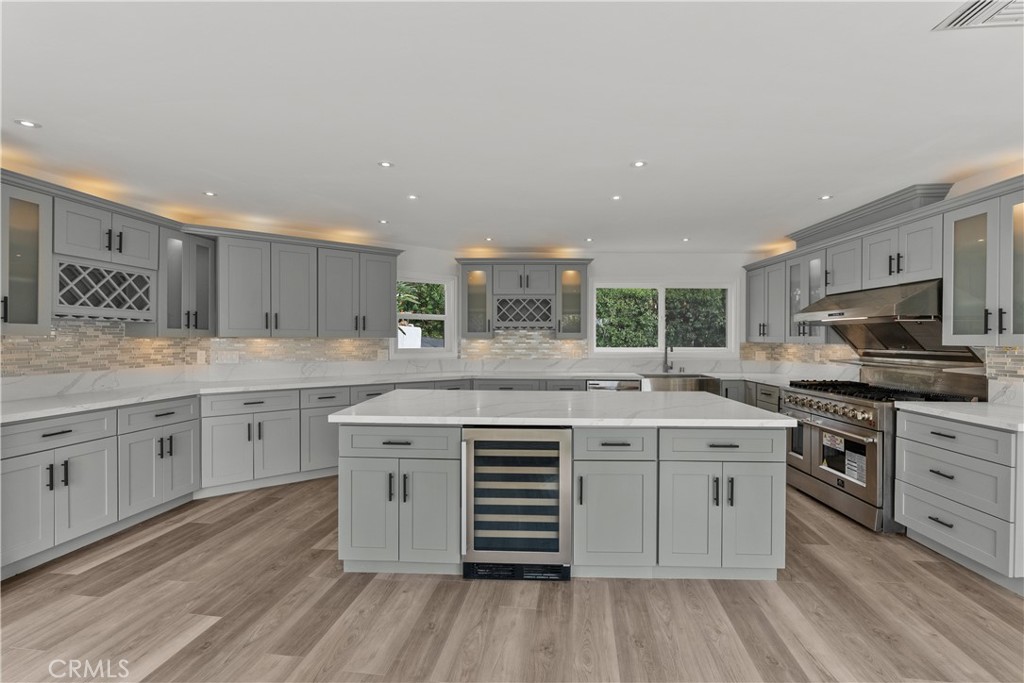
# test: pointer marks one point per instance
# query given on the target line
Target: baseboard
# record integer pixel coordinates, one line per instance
(239, 487)
(1008, 582)
(375, 567)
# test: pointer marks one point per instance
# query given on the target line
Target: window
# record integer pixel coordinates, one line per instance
(646, 318)
(424, 322)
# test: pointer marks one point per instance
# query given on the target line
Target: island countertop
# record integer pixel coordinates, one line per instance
(549, 409)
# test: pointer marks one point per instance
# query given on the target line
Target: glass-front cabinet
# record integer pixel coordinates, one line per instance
(982, 285)
(805, 284)
(476, 310)
(571, 307)
(27, 244)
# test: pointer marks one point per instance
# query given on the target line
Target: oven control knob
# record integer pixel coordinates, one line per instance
(861, 415)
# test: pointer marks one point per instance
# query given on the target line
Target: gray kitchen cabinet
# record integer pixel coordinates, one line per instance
(767, 397)
(186, 288)
(615, 513)
(243, 291)
(227, 450)
(843, 269)
(507, 384)
(157, 465)
(394, 509)
(276, 444)
(477, 301)
(97, 234)
(750, 393)
(733, 389)
(56, 495)
(983, 287)
(690, 519)
(805, 284)
(357, 294)
(367, 391)
(909, 253)
(454, 384)
(293, 290)
(318, 439)
(571, 302)
(530, 278)
(26, 247)
(753, 514)
(766, 304)
(565, 385)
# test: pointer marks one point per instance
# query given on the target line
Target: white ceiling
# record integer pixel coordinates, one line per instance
(516, 121)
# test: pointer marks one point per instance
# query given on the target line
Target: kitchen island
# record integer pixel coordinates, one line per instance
(630, 484)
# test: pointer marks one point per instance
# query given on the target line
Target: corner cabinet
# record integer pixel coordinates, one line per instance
(543, 294)
(25, 261)
(983, 273)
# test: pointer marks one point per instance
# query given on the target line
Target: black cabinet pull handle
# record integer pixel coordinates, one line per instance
(527, 281)
(65, 466)
(3, 315)
(249, 431)
(765, 393)
(559, 325)
(1002, 314)
(120, 243)
(373, 393)
(110, 239)
(391, 485)
(892, 260)
(566, 389)
(396, 443)
(405, 488)
(161, 451)
(63, 431)
(188, 320)
(506, 388)
(324, 398)
(355, 323)
(988, 314)
(723, 445)
(170, 446)
(364, 323)
(266, 320)
(729, 490)
(195, 319)
(581, 490)
(899, 263)
(615, 444)
(520, 282)
(253, 403)
(827, 283)
(49, 479)
(259, 431)
(939, 521)
(277, 324)
(943, 474)
(944, 436)
(714, 491)
(171, 412)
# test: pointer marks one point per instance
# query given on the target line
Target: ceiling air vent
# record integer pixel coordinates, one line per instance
(984, 14)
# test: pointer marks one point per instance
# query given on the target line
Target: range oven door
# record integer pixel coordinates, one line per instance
(849, 457)
(800, 440)
(517, 490)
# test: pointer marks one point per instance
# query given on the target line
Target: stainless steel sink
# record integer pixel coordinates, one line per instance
(681, 382)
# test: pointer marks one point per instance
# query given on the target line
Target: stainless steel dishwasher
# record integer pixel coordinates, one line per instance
(517, 485)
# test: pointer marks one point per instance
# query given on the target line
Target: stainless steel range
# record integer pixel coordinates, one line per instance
(843, 451)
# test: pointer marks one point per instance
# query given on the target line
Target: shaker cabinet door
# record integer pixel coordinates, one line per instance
(378, 312)
(86, 491)
(753, 514)
(690, 520)
(615, 513)
(368, 509)
(276, 448)
(140, 471)
(183, 462)
(338, 293)
(243, 298)
(293, 308)
(26, 495)
(429, 524)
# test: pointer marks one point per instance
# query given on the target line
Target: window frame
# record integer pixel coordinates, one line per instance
(450, 318)
(731, 347)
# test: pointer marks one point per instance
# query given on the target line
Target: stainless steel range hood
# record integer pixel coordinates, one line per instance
(899, 322)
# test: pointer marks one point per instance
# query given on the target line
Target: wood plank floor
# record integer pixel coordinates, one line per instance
(247, 588)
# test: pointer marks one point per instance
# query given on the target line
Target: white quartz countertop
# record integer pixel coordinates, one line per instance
(552, 408)
(996, 415)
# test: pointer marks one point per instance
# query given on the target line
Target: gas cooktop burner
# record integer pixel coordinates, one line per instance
(874, 393)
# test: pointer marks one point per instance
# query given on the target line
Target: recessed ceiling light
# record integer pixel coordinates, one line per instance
(616, 198)
(28, 124)
(639, 163)
(210, 194)
(686, 239)
(487, 239)
(412, 196)
(590, 239)
(825, 196)
(384, 164)
(383, 221)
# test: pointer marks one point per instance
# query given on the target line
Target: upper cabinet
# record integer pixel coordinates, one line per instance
(97, 234)
(843, 267)
(243, 291)
(983, 266)
(766, 304)
(25, 261)
(908, 253)
(805, 284)
(357, 294)
(539, 295)
(293, 295)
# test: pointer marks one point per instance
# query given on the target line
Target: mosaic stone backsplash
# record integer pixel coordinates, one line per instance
(511, 344)
(1004, 362)
(798, 353)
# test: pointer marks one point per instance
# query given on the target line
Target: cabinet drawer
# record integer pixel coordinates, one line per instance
(507, 384)
(136, 418)
(767, 394)
(722, 444)
(41, 435)
(454, 385)
(980, 442)
(976, 483)
(770, 406)
(253, 402)
(615, 444)
(981, 537)
(566, 385)
(414, 385)
(322, 398)
(401, 442)
(368, 391)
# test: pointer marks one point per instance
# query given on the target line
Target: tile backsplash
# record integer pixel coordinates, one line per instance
(512, 344)
(797, 353)
(1004, 362)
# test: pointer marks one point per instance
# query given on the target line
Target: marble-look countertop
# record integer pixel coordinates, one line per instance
(553, 408)
(772, 379)
(998, 416)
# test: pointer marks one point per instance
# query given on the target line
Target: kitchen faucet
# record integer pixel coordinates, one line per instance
(666, 364)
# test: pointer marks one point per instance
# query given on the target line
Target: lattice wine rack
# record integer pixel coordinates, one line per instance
(91, 290)
(524, 312)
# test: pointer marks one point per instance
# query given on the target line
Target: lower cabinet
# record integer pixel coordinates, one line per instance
(722, 514)
(399, 509)
(734, 389)
(240, 448)
(157, 465)
(615, 513)
(54, 496)
(318, 439)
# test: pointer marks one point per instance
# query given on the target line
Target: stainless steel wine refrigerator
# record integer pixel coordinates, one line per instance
(517, 488)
